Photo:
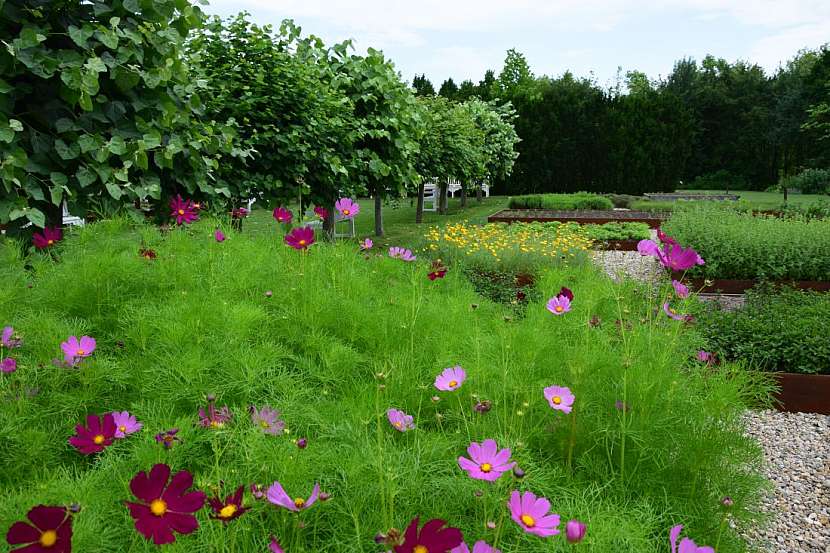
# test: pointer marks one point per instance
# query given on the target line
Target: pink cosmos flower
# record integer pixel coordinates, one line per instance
(183, 211)
(673, 314)
(704, 356)
(219, 235)
(401, 253)
(559, 305)
(276, 495)
(480, 546)
(8, 365)
(48, 238)
(300, 238)
(9, 339)
(75, 350)
(575, 531)
(399, 420)
(560, 398)
(283, 215)
(367, 244)
(450, 379)
(347, 208)
(672, 255)
(486, 461)
(531, 514)
(274, 546)
(95, 436)
(213, 418)
(321, 212)
(680, 289)
(125, 424)
(686, 545)
(268, 420)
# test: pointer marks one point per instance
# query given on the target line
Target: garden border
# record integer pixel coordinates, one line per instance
(586, 217)
(739, 286)
(803, 393)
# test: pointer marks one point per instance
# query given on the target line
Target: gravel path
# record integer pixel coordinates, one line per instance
(796, 449)
(797, 454)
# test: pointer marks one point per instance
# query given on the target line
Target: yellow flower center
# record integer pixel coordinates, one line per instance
(528, 521)
(215, 424)
(557, 400)
(486, 467)
(420, 549)
(122, 428)
(453, 383)
(264, 424)
(299, 502)
(228, 511)
(99, 439)
(48, 538)
(158, 507)
(81, 352)
(559, 309)
(302, 242)
(346, 212)
(50, 242)
(181, 212)
(398, 424)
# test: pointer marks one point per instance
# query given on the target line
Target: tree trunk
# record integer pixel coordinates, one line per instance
(419, 210)
(479, 194)
(328, 223)
(442, 199)
(463, 197)
(378, 215)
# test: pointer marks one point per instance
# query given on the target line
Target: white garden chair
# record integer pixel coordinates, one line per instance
(430, 196)
(315, 223)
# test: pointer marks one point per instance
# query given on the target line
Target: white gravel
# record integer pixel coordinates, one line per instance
(797, 462)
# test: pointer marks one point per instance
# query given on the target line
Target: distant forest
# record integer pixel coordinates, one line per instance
(712, 124)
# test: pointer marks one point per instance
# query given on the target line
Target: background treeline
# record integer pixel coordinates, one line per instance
(712, 124)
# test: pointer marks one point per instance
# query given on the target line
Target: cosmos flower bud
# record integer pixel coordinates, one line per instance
(483, 406)
(302, 443)
(491, 525)
(268, 293)
(211, 397)
(75, 508)
(575, 531)
(727, 502)
(324, 496)
(478, 493)
(435, 399)
(518, 472)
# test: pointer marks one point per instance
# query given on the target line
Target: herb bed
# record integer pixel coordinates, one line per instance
(586, 217)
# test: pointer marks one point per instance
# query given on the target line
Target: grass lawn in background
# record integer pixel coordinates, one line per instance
(767, 199)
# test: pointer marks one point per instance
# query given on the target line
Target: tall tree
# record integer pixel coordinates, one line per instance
(448, 89)
(423, 86)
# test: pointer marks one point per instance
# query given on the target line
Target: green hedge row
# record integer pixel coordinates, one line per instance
(578, 200)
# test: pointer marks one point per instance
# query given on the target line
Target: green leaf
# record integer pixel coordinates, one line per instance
(114, 190)
(107, 38)
(67, 151)
(57, 194)
(16, 214)
(88, 143)
(63, 125)
(5, 87)
(6, 134)
(96, 64)
(132, 6)
(117, 146)
(80, 36)
(141, 159)
(58, 179)
(29, 37)
(85, 101)
(36, 217)
(85, 177)
(16, 125)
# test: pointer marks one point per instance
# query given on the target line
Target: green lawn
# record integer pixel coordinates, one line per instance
(771, 199)
(399, 219)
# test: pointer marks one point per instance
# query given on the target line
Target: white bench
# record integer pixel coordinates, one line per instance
(455, 186)
(431, 196)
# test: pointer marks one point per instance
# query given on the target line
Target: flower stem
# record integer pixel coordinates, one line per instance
(571, 441)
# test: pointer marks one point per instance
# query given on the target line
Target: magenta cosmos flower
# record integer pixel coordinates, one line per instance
(9, 339)
(125, 424)
(98, 433)
(686, 545)
(274, 546)
(49, 530)
(680, 289)
(559, 305)
(168, 438)
(185, 212)
(164, 506)
(276, 495)
(560, 398)
(239, 213)
(575, 531)
(321, 212)
(399, 420)
(347, 208)
(283, 215)
(674, 314)
(300, 238)
(75, 350)
(219, 236)
(268, 420)
(47, 239)
(8, 365)
(450, 379)
(480, 546)
(671, 255)
(432, 538)
(486, 461)
(229, 508)
(532, 514)
(403, 254)
(566, 292)
(706, 357)
(366, 244)
(211, 418)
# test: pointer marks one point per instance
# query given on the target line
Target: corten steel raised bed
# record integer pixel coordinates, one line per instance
(728, 286)
(587, 217)
(803, 393)
(704, 197)
(618, 245)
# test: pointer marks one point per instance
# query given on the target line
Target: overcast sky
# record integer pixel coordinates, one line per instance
(464, 38)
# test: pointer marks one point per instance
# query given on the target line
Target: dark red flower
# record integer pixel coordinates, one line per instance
(48, 238)
(434, 275)
(520, 295)
(230, 508)
(165, 506)
(49, 531)
(567, 293)
(95, 436)
(432, 538)
(147, 253)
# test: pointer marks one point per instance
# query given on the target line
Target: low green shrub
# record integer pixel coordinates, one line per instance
(622, 200)
(579, 200)
(720, 180)
(742, 246)
(809, 181)
(778, 330)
